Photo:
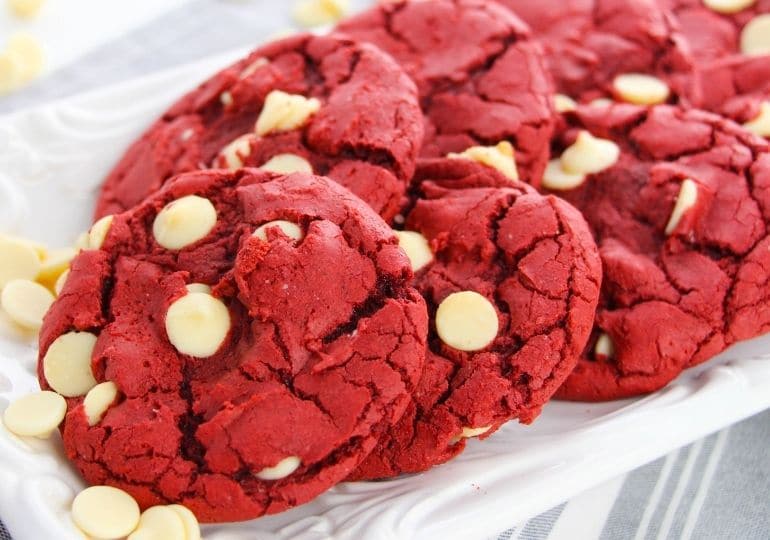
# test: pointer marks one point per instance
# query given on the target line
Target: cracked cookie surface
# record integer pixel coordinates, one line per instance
(365, 135)
(325, 345)
(481, 79)
(681, 223)
(588, 43)
(532, 258)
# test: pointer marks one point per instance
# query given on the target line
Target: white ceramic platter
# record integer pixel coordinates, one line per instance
(51, 161)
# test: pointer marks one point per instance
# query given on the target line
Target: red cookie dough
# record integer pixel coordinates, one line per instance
(326, 346)
(481, 79)
(589, 42)
(366, 135)
(670, 301)
(532, 257)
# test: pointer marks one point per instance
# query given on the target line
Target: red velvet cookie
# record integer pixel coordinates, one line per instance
(588, 43)
(511, 282)
(679, 203)
(262, 388)
(480, 78)
(313, 104)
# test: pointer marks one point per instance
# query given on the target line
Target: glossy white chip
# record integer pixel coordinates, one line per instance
(98, 400)
(197, 324)
(467, 321)
(416, 248)
(589, 155)
(183, 222)
(67, 364)
(26, 302)
(688, 195)
(501, 157)
(35, 415)
(281, 470)
(285, 112)
(105, 512)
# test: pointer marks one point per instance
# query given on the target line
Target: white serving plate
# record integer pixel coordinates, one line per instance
(51, 162)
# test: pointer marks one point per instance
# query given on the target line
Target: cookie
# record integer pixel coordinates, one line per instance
(631, 51)
(236, 344)
(481, 79)
(313, 104)
(511, 279)
(679, 204)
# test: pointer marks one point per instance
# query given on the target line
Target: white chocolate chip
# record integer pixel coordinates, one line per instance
(226, 98)
(232, 155)
(59, 285)
(556, 179)
(183, 222)
(159, 523)
(253, 67)
(37, 247)
(285, 112)
(99, 231)
(641, 89)
(589, 155)
(688, 195)
(311, 13)
(604, 347)
(287, 164)
(105, 512)
(55, 264)
(187, 134)
(192, 530)
(18, 260)
(760, 125)
(292, 230)
(755, 36)
(469, 432)
(501, 157)
(35, 415)
(29, 52)
(728, 6)
(416, 247)
(98, 400)
(81, 242)
(564, 103)
(197, 324)
(281, 470)
(67, 364)
(26, 302)
(466, 321)
(199, 287)
(25, 8)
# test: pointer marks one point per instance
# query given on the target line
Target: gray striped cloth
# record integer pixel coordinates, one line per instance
(717, 488)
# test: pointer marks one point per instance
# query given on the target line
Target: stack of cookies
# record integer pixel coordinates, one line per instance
(344, 255)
